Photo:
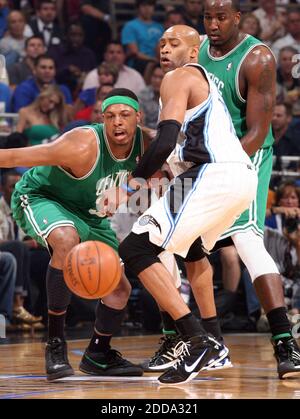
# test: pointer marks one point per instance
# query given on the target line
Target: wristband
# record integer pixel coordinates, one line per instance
(127, 188)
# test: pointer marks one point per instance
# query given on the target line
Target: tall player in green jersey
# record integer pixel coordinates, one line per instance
(244, 70)
(55, 202)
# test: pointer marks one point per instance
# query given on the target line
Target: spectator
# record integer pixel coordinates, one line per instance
(4, 11)
(8, 270)
(45, 117)
(129, 77)
(140, 36)
(174, 17)
(44, 25)
(5, 98)
(288, 87)
(193, 14)
(250, 24)
(286, 136)
(292, 38)
(149, 98)
(97, 114)
(286, 206)
(44, 74)
(95, 20)
(67, 11)
(19, 72)
(271, 19)
(283, 240)
(85, 113)
(10, 243)
(12, 46)
(72, 58)
(107, 74)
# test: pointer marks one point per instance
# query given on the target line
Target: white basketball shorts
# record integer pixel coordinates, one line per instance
(202, 202)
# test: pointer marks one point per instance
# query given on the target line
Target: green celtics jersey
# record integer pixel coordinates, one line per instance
(224, 71)
(80, 195)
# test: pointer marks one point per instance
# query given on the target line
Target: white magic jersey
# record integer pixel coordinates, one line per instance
(207, 134)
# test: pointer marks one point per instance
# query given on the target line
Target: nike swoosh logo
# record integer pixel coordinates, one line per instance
(190, 368)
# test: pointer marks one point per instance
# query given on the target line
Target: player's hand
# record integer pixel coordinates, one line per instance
(111, 200)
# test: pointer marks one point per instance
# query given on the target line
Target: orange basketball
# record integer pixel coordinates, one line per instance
(92, 269)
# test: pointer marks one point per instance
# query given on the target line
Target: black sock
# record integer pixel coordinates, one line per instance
(212, 326)
(189, 325)
(56, 326)
(169, 327)
(279, 323)
(99, 343)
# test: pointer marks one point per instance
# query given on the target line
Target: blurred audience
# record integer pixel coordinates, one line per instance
(9, 242)
(44, 24)
(45, 117)
(140, 36)
(149, 98)
(43, 75)
(129, 77)
(288, 86)
(95, 19)
(250, 24)
(8, 272)
(73, 59)
(292, 37)
(192, 12)
(286, 135)
(174, 17)
(23, 70)
(272, 21)
(4, 11)
(12, 45)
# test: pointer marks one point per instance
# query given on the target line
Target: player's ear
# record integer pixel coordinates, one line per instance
(194, 52)
(139, 116)
(237, 18)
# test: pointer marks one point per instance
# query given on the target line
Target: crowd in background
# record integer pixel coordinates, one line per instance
(61, 59)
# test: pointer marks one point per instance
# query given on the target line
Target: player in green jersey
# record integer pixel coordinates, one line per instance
(55, 203)
(244, 70)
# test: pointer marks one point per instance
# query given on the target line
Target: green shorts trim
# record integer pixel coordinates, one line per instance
(38, 216)
(254, 217)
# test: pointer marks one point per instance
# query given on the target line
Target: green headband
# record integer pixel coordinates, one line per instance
(116, 100)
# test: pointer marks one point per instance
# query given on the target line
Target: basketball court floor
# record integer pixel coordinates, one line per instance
(253, 376)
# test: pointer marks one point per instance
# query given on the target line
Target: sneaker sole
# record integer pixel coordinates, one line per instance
(128, 373)
(162, 367)
(290, 374)
(221, 367)
(60, 374)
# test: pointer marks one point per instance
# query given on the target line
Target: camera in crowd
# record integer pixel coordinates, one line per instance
(291, 224)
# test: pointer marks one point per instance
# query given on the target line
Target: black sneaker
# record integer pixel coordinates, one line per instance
(192, 356)
(57, 363)
(109, 364)
(287, 354)
(165, 357)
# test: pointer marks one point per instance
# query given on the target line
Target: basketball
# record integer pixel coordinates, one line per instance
(92, 270)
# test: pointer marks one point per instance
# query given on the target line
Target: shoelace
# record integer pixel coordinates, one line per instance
(57, 353)
(166, 346)
(180, 350)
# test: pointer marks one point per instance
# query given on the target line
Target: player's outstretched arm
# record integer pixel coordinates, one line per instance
(70, 150)
(259, 73)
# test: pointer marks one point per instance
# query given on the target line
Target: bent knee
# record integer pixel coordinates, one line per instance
(62, 240)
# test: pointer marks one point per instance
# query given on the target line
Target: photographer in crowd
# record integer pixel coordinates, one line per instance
(282, 240)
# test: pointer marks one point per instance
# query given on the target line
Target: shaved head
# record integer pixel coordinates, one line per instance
(179, 45)
(235, 4)
(187, 34)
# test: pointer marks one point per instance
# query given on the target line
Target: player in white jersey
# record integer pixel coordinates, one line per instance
(203, 200)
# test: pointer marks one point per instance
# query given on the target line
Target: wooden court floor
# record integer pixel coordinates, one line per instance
(253, 376)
